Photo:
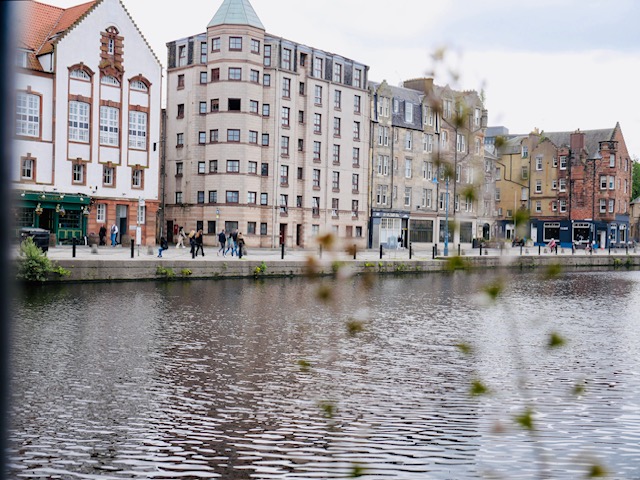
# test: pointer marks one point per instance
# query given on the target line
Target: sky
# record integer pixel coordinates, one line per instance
(555, 65)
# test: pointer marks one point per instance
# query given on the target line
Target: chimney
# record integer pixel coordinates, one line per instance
(577, 141)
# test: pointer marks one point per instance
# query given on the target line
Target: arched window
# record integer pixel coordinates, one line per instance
(110, 80)
(139, 85)
(79, 74)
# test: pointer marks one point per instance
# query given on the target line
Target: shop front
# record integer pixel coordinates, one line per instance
(387, 227)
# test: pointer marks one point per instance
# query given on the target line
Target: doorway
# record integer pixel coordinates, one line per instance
(121, 221)
(298, 235)
(283, 233)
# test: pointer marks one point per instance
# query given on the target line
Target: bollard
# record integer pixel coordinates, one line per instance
(480, 249)
(459, 246)
(320, 251)
(556, 248)
(520, 250)
(626, 248)
(355, 250)
(73, 247)
(539, 249)
(132, 245)
(380, 251)
(282, 252)
(410, 250)
(433, 252)
(573, 249)
(609, 248)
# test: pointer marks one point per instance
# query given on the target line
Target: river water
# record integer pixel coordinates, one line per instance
(251, 379)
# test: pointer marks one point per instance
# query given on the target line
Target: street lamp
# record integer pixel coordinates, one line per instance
(446, 215)
(596, 157)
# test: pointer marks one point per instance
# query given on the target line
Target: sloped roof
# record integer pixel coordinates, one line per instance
(236, 12)
(591, 139)
(41, 24)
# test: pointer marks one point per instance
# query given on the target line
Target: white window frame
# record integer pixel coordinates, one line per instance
(101, 213)
(28, 115)
(79, 122)
(138, 130)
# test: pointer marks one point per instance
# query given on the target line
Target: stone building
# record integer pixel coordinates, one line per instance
(264, 135)
(87, 122)
(427, 142)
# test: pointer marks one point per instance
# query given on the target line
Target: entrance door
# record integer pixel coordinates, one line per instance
(534, 233)
(283, 233)
(298, 235)
(121, 221)
(46, 220)
(169, 231)
(603, 238)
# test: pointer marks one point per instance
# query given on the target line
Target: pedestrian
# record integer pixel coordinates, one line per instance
(552, 245)
(114, 235)
(164, 245)
(241, 250)
(103, 235)
(229, 245)
(234, 247)
(192, 243)
(399, 245)
(222, 238)
(181, 236)
(199, 243)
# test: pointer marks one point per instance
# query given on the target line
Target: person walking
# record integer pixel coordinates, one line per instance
(553, 245)
(164, 245)
(234, 246)
(103, 235)
(229, 245)
(222, 238)
(199, 243)
(240, 245)
(181, 237)
(192, 243)
(114, 235)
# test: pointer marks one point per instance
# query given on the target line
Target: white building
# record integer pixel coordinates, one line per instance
(88, 108)
(264, 135)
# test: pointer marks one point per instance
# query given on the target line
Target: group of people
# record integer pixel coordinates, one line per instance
(234, 243)
(103, 235)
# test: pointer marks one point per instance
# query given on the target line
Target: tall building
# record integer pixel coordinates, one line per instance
(575, 186)
(88, 111)
(264, 135)
(428, 160)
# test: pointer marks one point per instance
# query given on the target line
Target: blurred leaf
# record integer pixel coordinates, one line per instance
(525, 420)
(578, 389)
(465, 348)
(328, 408)
(457, 263)
(555, 340)
(553, 271)
(596, 471)
(357, 470)
(304, 365)
(324, 293)
(522, 217)
(439, 54)
(352, 250)
(494, 290)
(311, 266)
(470, 194)
(500, 141)
(478, 388)
(326, 241)
(354, 326)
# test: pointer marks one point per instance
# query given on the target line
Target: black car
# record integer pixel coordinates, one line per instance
(40, 236)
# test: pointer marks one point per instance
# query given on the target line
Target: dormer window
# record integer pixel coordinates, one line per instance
(21, 59)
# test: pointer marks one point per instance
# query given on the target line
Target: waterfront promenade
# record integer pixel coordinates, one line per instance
(117, 263)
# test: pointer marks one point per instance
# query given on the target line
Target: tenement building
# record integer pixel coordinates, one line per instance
(428, 165)
(575, 187)
(88, 107)
(264, 136)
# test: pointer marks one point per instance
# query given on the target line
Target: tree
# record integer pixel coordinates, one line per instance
(635, 182)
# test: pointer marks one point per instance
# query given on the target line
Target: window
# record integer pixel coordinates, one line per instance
(76, 73)
(355, 182)
(477, 116)
(447, 107)
(286, 87)
(317, 67)
(251, 198)
(337, 72)
(461, 143)
(110, 80)
(408, 112)
(603, 205)
(285, 116)
(251, 228)
(407, 196)
(300, 116)
(264, 199)
(315, 206)
(255, 46)
(267, 56)
(235, 73)
(337, 99)
(444, 140)
(525, 151)
(179, 168)
(101, 213)
(427, 193)
(200, 196)
(497, 197)
(235, 43)
(182, 55)
(109, 126)
(286, 58)
(612, 204)
(254, 76)
(178, 197)
(253, 106)
(381, 194)
(138, 130)
(180, 81)
(408, 140)
(252, 168)
(538, 162)
(562, 184)
(77, 173)
(357, 103)
(202, 138)
(317, 122)
(554, 162)
(538, 206)
(478, 146)
(524, 172)
(316, 178)
(233, 135)
(266, 110)
(284, 146)
(335, 181)
(213, 196)
(203, 52)
(215, 44)
(317, 97)
(554, 184)
(213, 166)
(357, 78)
(263, 229)
(264, 169)
(202, 108)
(201, 168)
(563, 162)
(203, 78)
(538, 186)
(336, 127)
(335, 207)
(28, 115)
(266, 80)
(316, 151)
(27, 168)
(284, 202)
(265, 139)
(612, 160)
(253, 136)
(300, 173)
(301, 88)
(356, 130)
(215, 104)
(233, 196)
(612, 182)
(214, 135)
(407, 167)
(233, 166)
(563, 206)
(554, 206)
(137, 176)
(79, 121)
(356, 156)
(336, 154)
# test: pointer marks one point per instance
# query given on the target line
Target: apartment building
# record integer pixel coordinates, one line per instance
(574, 186)
(88, 94)
(427, 164)
(264, 135)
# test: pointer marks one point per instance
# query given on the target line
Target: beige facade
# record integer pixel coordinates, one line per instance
(265, 136)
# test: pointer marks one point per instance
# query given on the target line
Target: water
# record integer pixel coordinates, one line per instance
(202, 379)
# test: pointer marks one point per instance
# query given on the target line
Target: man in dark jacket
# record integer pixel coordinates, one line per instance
(222, 238)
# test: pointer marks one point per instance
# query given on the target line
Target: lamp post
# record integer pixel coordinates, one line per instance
(596, 157)
(446, 216)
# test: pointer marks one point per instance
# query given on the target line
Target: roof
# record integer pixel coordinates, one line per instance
(236, 12)
(41, 25)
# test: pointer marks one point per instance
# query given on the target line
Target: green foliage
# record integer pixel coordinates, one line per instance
(401, 267)
(34, 265)
(555, 340)
(260, 269)
(553, 271)
(328, 408)
(165, 272)
(457, 263)
(304, 365)
(617, 263)
(465, 348)
(478, 388)
(578, 389)
(597, 471)
(185, 272)
(357, 470)
(354, 326)
(635, 182)
(336, 265)
(369, 264)
(525, 419)
(494, 290)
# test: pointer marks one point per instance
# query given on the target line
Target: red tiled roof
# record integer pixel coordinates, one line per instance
(40, 24)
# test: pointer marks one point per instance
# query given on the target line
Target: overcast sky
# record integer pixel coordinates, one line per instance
(557, 65)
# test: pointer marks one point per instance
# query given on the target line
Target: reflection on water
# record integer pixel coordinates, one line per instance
(201, 379)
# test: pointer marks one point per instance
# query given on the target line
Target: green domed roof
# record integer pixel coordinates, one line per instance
(236, 12)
